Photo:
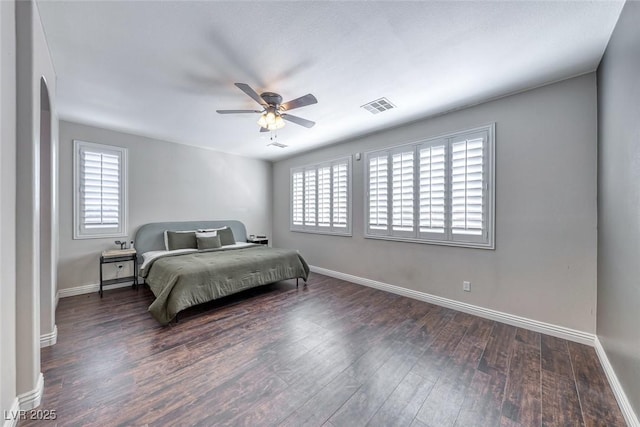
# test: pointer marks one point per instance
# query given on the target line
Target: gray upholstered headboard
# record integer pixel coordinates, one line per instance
(150, 237)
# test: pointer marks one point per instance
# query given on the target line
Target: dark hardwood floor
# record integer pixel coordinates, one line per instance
(332, 353)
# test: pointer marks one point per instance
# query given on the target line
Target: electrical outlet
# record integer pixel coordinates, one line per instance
(466, 286)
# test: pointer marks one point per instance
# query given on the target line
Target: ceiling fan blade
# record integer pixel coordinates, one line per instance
(237, 111)
(303, 101)
(264, 129)
(252, 93)
(298, 120)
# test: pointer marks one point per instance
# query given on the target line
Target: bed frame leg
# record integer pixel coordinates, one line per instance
(297, 278)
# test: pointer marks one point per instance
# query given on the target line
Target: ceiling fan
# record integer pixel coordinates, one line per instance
(273, 111)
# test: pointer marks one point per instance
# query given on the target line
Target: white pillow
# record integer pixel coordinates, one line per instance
(209, 230)
(206, 233)
(166, 239)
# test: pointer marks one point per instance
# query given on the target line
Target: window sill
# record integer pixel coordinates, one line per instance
(328, 233)
(98, 236)
(489, 246)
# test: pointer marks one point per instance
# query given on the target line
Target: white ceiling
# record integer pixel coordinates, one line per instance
(161, 69)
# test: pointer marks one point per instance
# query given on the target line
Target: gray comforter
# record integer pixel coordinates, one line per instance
(182, 281)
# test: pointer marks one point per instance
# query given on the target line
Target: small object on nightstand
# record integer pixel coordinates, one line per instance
(260, 240)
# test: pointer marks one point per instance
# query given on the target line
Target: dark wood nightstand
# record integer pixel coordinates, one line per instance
(259, 241)
(110, 257)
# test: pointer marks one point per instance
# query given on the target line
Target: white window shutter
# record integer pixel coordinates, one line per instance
(340, 195)
(441, 190)
(432, 190)
(321, 199)
(100, 191)
(378, 193)
(402, 176)
(310, 197)
(468, 188)
(297, 199)
(324, 196)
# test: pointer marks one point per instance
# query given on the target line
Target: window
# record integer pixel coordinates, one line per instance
(99, 181)
(321, 197)
(437, 191)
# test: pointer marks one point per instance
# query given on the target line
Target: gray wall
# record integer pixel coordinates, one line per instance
(544, 264)
(619, 202)
(8, 205)
(167, 182)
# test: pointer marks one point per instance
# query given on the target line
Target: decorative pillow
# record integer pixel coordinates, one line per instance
(207, 242)
(181, 240)
(226, 237)
(166, 239)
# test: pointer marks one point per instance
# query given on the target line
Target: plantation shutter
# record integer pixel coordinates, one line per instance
(310, 197)
(340, 194)
(100, 190)
(403, 192)
(324, 197)
(378, 193)
(438, 190)
(468, 187)
(320, 199)
(99, 198)
(432, 190)
(297, 199)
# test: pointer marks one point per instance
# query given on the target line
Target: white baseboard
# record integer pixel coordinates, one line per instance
(87, 289)
(625, 406)
(32, 399)
(11, 417)
(510, 319)
(49, 339)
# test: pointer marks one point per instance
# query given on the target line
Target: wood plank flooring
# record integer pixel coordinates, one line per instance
(328, 354)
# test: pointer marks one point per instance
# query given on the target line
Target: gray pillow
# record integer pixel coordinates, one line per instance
(181, 240)
(226, 237)
(208, 242)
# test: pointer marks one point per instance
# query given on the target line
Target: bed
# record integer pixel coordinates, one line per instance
(182, 278)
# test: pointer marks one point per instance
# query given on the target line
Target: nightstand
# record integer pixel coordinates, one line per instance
(110, 257)
(259, 241)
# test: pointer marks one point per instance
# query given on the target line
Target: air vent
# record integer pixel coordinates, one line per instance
(277, 144)
(378, 106)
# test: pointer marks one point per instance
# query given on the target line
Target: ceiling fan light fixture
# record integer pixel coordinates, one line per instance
(271, 121)
(270, 117)
(278, 123)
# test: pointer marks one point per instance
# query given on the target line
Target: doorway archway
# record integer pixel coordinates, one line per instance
(48, 330)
